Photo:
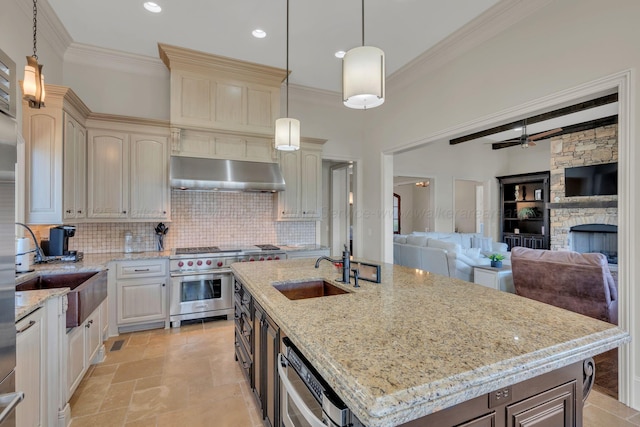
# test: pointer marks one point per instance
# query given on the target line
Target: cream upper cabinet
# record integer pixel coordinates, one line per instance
(74, 195)
(210, 92)
(128, 169)
(302, 172)
(55, 160)
(108, 167)
(149, 177)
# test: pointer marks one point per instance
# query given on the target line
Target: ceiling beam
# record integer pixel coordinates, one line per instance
(579, 127)
(604, 100)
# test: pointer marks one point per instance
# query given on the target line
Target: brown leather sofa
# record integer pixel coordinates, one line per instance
(578, 282)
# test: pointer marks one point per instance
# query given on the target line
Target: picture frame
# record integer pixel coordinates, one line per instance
(537, 194)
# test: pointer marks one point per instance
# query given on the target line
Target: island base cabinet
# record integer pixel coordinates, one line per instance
(550, 400)
(265, 354)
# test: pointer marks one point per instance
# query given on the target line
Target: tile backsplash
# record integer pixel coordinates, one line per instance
(201, 219)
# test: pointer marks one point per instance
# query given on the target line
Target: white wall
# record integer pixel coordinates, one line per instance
(465, 206)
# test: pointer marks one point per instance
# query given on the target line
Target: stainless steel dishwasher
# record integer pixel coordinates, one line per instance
(306, 399)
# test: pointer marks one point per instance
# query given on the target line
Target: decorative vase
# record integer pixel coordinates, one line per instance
(496, 264)
(516, 192)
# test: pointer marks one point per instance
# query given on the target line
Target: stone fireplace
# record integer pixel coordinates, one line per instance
(583, 224)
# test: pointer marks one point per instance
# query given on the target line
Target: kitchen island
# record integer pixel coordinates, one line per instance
(418, 343)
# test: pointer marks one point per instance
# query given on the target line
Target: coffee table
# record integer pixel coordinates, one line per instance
(499, 278)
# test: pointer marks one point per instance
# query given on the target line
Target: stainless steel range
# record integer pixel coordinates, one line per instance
(201, 280)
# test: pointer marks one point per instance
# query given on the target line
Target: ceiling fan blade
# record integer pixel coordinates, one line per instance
(531, 143)
(544, 134)
(505, 144)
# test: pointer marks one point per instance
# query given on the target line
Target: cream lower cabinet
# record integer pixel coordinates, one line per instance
(141, 289)
(302, 172)
(128, 173)
(30, 369)
(84, 346)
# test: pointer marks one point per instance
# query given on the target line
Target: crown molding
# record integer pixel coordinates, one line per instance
(181, 58)
(493, 21)
(84, 54)
(50, 27)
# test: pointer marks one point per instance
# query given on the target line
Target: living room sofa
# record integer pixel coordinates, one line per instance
(574, 281)
(448, 254)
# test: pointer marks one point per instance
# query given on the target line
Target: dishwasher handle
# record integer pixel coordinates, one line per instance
(11, 400)
(291, 391)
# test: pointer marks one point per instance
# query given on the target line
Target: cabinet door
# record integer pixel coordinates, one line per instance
(149, 177)
(93, 338)
(311, 181)
(271, 386)
(43, 165)
(75, 169)
(30, 374)
(108, 174)
(104, 319)
(141, 300)
(76, 360)
(289, 199)
(258, 363)
(552, 408)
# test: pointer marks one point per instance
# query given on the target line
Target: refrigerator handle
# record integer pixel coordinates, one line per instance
(11, 400)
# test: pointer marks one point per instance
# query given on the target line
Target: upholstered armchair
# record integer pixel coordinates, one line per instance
(578, 282)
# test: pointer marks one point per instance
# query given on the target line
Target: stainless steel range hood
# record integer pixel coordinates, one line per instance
(196, 174)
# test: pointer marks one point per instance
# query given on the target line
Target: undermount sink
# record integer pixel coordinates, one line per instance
(88, 290)
(308, 289)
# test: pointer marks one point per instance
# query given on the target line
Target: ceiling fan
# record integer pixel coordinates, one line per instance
(525, 140)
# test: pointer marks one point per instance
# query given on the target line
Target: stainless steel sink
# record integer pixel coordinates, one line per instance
(308, 289)
(88, 290)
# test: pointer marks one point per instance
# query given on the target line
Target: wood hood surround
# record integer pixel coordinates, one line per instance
(221, 107)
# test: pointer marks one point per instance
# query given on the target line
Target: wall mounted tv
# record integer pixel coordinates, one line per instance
(593, 180)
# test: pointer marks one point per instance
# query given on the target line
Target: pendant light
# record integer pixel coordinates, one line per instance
(287, 129)
(33, 84)
(363, 75)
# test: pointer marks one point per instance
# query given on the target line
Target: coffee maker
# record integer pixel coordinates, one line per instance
(59, 239)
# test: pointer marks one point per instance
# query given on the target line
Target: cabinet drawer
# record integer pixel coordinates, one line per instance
(131, 270)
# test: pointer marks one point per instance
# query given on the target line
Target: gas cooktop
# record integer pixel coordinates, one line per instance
(218, 249)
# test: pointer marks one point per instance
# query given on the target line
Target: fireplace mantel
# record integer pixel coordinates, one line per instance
(585, 204)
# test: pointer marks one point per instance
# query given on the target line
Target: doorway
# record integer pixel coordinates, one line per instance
(338, 226)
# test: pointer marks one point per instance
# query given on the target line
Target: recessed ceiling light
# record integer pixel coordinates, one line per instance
(259, 34)
(152, 7)
(517, 129)
(340, 54)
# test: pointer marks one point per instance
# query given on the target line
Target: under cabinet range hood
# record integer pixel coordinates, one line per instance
(200, 174)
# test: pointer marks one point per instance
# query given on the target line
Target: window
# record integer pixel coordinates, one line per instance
(7, 85)
(396, 214)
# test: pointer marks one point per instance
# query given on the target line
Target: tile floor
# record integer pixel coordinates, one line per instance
(188, 377)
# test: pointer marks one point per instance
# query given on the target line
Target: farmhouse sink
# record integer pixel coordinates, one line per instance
(308, 289)
(88, 290)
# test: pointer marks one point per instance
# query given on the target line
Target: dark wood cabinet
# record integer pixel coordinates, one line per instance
(257, 341)
(524, 212)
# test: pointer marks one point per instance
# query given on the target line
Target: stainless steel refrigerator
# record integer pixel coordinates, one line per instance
(8, 396)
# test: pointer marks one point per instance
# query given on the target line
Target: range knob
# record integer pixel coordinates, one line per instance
(220, 263)
(199, 262)
(269, 258)
(208, 262)
(251, 259)
(243, 260)
(276, 257)
(190, 263)
(261, 258)
(180, 264)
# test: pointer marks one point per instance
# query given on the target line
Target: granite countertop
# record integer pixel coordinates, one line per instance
(28, 301)
(418, 342)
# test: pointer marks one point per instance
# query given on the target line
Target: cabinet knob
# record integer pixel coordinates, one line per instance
(124, 212)
(80, 211)
(69, 211)
(164, 212)
(163, 285)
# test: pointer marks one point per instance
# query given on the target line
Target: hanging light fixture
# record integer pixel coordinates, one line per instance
(287, 129)
(363, 74)
(33, 84)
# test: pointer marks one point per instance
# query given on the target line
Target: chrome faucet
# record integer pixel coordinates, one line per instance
(39, 258)
(346, 264)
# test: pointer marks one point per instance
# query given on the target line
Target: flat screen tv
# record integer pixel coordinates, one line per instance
(594, 180)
